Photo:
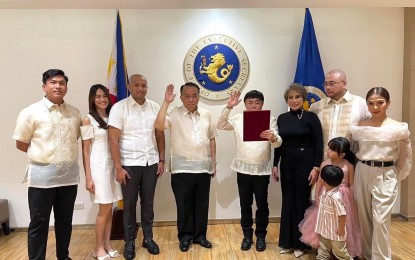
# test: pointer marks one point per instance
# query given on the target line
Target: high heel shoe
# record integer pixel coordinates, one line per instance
(286, 250)
(113, 253)
(298, 253)
(105, 257)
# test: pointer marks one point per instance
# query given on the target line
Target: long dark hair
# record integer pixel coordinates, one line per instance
(342, 145)
(93, 109)
(383, 92)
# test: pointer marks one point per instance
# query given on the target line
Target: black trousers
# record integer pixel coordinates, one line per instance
(248, 187)
(41, 202)
(191, 191)
(143, 181)
(295, 167)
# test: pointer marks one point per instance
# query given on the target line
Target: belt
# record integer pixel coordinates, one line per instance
(378, 163)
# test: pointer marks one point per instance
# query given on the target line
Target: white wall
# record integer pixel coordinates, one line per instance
(367, 43)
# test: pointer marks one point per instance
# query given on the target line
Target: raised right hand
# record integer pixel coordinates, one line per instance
(234, 99)
(169, 95)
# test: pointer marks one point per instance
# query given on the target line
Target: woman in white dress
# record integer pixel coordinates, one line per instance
(385, 157)
(99, 168)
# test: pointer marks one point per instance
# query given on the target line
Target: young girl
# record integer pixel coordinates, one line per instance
(99, 168)
(339, 154)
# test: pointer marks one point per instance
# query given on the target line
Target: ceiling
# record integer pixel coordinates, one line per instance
(197, 4)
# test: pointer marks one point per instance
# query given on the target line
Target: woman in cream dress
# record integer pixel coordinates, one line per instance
(99, 168)
(385, 157)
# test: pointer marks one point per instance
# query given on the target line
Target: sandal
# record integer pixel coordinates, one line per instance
(113, 253)
(105, 257)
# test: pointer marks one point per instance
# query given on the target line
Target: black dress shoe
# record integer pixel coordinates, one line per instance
(129, 250)
(184, 246)
(67, 258)
(203, 243)
(151, 246)
(261, 245)
(246, 243)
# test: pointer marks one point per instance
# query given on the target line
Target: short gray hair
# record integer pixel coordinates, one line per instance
(298, 88)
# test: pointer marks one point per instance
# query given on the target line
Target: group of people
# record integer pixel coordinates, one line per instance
(123, 148)
(352, 213)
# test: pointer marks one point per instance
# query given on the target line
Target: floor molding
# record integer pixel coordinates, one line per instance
(210, 222)
(158, 224)
(403, 217)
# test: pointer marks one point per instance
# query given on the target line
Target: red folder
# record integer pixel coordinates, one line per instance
(255, 122)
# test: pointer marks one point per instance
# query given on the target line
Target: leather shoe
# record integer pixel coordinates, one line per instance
(246, 244)
(261, 245)
(151, 246)
(67, 258)
(203, 243)
(129, 250)
(184, 246)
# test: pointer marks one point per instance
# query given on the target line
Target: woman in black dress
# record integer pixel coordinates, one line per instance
(300, 156)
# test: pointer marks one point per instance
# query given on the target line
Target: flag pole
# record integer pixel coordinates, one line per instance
(117, 80)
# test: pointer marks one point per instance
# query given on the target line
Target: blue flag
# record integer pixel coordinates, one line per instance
(309, 71)
(117, 68)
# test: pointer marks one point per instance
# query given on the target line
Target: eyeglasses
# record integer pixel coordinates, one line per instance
(332, 83)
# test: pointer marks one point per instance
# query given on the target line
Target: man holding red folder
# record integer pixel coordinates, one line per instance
(252, 163)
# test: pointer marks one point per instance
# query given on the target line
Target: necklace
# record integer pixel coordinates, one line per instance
(376, 123)
(300, 116)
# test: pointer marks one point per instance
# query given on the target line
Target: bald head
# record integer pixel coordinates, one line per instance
(335, 84)
(338, 74)
(137, 76)
(138, 88)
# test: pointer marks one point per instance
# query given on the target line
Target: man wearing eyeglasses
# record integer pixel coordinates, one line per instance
(339, 109)
(193, 161)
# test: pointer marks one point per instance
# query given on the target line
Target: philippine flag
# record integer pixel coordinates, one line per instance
(117, 70)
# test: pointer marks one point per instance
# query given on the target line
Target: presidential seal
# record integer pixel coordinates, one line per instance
(218, 64)
(314, 94)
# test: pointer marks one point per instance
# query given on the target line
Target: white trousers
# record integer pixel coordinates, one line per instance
(375, 192)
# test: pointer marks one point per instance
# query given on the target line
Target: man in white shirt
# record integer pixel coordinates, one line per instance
(137, 150)
(253, 167)
(48, 132)
(340, 109)
(193, 161)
